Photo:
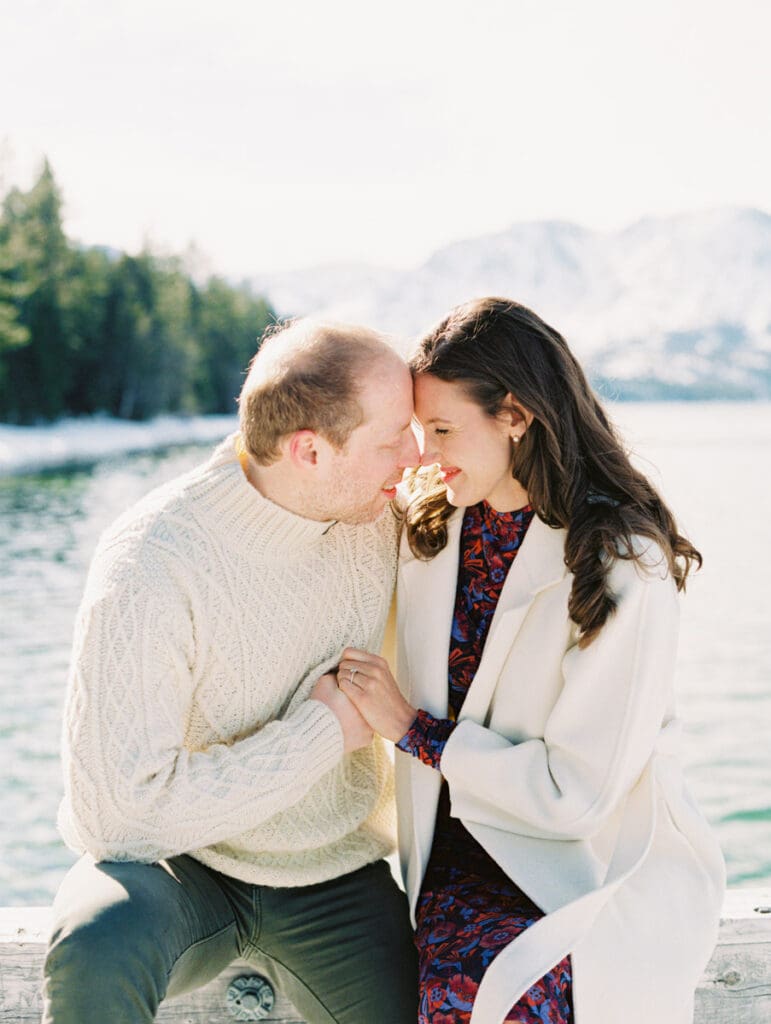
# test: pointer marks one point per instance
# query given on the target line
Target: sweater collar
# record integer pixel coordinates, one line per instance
(256, 524)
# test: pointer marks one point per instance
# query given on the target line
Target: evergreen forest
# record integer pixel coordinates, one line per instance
(90, 330)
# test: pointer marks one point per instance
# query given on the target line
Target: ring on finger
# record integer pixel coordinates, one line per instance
(353, 673)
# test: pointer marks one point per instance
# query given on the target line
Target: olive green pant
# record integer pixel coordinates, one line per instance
(128, 935)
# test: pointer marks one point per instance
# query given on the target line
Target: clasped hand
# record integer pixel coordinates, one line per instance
(368, 683)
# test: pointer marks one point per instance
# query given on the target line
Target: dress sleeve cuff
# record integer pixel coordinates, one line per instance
(426, 738)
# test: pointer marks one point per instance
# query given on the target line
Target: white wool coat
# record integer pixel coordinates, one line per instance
(564, 766)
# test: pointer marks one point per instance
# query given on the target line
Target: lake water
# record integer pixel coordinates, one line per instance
(712, 462)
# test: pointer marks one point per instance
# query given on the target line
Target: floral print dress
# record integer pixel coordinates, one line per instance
(469, 909)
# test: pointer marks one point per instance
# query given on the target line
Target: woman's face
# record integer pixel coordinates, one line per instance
(473, 449)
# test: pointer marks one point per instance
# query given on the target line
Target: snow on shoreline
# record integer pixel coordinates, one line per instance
(88, 439)
(91, 438)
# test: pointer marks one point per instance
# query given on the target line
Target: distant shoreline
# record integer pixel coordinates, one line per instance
(84, 440)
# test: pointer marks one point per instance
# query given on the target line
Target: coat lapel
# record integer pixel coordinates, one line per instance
(539, 563)
(428, 592)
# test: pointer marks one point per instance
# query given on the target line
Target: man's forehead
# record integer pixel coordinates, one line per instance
(387, 404)
(387, 380)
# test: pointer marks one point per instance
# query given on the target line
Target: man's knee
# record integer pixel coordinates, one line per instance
(95, 930)
(103, 950)
(126, 934)
(101, 906)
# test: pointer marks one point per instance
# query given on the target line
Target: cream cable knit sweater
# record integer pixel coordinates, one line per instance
(208, 616)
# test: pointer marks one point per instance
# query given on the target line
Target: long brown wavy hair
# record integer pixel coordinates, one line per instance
(570, 461)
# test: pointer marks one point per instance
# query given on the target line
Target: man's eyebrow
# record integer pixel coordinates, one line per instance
(407, 426)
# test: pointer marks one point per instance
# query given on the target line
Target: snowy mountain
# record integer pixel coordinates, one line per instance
(674, 307)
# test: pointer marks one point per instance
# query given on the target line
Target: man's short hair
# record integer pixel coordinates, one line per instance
(306, 376)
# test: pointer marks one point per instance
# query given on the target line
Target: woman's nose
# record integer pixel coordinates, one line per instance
(429, 457)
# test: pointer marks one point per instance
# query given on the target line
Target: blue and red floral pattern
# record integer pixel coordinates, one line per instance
(462, 926)
(469, 909)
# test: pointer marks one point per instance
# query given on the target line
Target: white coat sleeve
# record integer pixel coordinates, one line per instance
(598, 736)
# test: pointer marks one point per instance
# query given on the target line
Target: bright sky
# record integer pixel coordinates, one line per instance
(290, 133)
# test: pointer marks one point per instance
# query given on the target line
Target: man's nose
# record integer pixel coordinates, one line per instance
(410, 452)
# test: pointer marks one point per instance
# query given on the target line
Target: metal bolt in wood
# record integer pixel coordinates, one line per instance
(250, 997)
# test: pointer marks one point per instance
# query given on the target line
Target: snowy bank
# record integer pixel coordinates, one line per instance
(90, 438)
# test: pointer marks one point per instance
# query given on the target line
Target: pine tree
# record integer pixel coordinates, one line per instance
(86, 330)
(229, 325)
(36, 374)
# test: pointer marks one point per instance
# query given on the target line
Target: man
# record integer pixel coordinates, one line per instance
(229, 798)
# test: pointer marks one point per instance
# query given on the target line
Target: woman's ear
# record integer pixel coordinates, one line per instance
(518, 418)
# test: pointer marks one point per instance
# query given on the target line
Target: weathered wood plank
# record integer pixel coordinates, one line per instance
(736, 986)
(735, 989)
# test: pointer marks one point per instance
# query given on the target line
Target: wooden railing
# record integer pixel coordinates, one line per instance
(735, 989)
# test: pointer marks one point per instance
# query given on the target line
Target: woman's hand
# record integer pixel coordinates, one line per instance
(367, 681)
(357, 733)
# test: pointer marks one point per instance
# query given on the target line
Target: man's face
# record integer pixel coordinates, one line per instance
(362, 476)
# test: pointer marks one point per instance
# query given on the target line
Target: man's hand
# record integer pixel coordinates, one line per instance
(356, 732)
(367, 680)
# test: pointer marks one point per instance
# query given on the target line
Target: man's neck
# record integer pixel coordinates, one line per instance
(278, 486)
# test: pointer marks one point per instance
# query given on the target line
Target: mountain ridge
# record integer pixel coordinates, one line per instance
(665, 307)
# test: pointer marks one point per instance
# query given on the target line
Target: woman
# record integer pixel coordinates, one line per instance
(556, 866)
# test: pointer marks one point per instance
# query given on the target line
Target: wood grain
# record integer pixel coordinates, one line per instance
(735, 989)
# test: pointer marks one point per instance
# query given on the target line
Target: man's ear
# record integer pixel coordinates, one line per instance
(303, 448)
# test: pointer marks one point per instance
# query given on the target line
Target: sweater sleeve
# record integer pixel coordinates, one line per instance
(599, 735)
(133, 790)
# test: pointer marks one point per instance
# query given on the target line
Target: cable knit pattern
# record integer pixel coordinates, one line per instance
(208, 616)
